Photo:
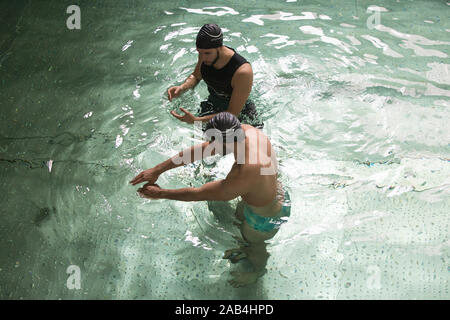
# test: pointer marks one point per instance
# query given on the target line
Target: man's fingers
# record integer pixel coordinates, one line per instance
(135, 179)
(150, 184)
(176, 115)
(184, 110)
(135, 182)
(173, 92)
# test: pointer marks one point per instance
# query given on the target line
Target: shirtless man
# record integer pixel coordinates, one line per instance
(229, 78)
(253, 177)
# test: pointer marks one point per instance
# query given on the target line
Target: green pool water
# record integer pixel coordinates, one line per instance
(355, 99)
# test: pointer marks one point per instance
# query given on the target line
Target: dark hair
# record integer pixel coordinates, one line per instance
(210, 36)
(225, 124)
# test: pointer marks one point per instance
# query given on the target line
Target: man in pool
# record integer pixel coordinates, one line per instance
(253, 177)
(229, 78)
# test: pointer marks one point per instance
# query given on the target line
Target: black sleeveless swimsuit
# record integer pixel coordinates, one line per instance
(220, 90)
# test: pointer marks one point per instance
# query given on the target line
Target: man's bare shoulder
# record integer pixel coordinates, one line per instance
(244, 71)
(250, 127)
(252, 132)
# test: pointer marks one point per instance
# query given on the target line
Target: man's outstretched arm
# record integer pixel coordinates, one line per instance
(221, 190)
(194, 153)
(193, 79)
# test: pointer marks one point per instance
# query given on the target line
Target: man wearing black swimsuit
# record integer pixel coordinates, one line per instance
(229, 78)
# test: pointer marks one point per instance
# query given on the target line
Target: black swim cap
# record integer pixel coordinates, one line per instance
(210, 36)
(225, 124)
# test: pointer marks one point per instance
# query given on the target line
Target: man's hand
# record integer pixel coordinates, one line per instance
(149, 175)
(187, 117)
(149, 191)
(174, 92)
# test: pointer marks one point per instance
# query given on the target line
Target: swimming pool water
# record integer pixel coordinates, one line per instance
(355, 98)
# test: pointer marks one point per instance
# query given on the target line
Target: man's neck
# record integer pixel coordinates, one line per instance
(225, 55)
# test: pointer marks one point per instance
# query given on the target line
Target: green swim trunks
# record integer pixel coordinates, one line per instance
(266, 224)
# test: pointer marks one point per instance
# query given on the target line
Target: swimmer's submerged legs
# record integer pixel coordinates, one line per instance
(239, 213)
(255, 252)
(234, 255)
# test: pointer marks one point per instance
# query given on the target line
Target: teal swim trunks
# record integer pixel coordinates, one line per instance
(266, 224)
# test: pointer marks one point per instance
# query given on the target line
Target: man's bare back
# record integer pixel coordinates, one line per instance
(263, 189)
